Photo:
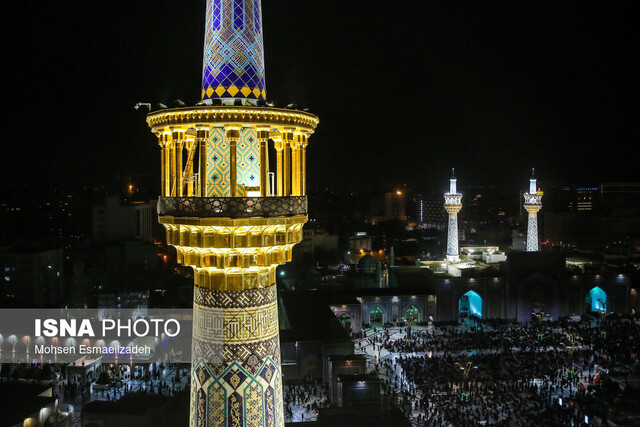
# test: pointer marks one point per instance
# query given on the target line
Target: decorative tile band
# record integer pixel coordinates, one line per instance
(236, 326)
(235, 299)
(234, 396)
(235, 373)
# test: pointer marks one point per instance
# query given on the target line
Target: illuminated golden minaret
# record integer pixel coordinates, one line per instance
(233, 220)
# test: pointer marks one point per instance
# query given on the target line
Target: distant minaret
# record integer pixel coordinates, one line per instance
(452, 204)
(532, 204)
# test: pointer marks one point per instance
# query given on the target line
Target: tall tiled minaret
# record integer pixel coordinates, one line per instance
(229, 222)
(452, 204)
(532, 204)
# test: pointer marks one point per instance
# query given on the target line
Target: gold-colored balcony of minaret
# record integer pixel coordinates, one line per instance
(532, 202)
(231, 216)
(246, 115)
(256, 232)
(452, 203)
(532, 199)
(224, 152)
(451, 199)
(232, 207)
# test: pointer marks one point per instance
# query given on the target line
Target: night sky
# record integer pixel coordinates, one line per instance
(404, 90)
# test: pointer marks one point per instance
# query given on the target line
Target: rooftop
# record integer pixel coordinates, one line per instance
(310, 318)
(19, 400)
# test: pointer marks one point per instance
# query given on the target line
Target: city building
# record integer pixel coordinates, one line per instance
(605, 217)
(359, 244)
(430, 212)
(389, 206)
(592, 231)
(313, 239)
(31, 276)
(114, 220)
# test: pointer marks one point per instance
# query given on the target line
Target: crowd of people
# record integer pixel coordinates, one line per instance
(501, 338)
(502, 374)
(306, 398)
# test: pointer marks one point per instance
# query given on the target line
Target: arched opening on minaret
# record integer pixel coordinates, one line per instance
(470, 305)
(596, 300)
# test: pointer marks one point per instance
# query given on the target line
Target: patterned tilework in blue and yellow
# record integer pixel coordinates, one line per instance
(233, 65)
(218, 183)
(248, 153)
(233, 396)
(532, 233)
(218, 168)
(452, 235)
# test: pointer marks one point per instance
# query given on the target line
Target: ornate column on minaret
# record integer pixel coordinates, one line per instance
(230, 231)
(532, 204)
(452, 204)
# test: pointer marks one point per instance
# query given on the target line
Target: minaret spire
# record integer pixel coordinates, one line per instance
(452, 182)
(533, 188)
(233, 63)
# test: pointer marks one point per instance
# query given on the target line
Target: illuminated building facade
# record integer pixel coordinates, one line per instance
(452, 204)
(430, 212)
(233, 220)
(532, 204)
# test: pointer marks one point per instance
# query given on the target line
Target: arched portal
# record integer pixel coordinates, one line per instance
(375, 317)
(597, 300)
(412, 314)
(470, 304)
(346, 321)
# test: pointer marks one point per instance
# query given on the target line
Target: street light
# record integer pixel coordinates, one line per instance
(142, 104)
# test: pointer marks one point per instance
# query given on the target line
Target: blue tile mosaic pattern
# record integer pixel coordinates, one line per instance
(233, 65)
(218, 163)
(532, 233)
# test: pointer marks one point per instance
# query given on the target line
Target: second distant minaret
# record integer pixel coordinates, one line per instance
(452, 204)
(532, 204)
